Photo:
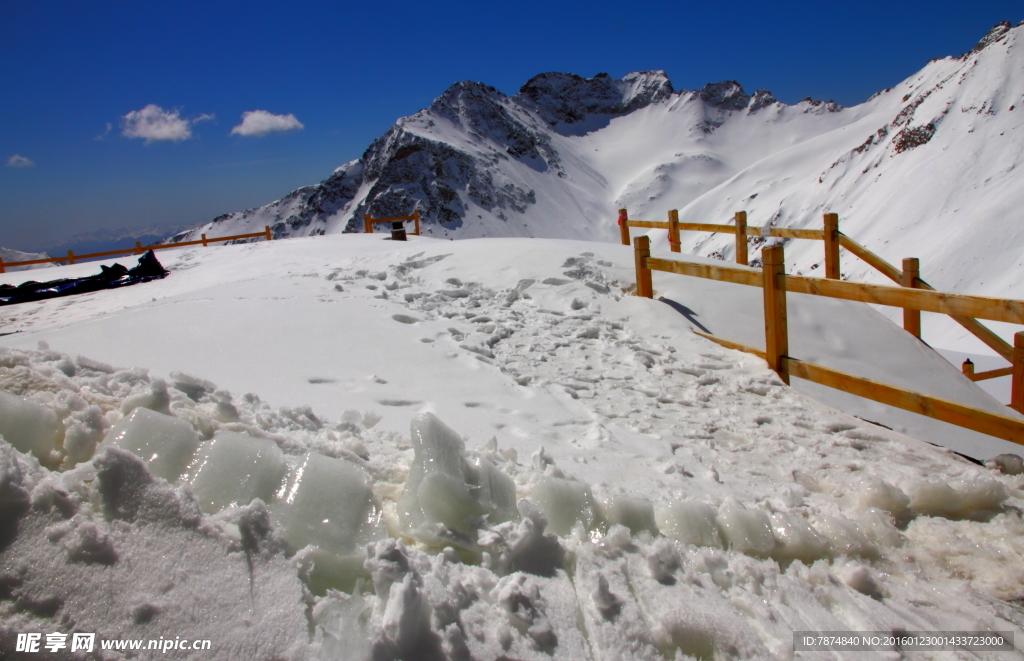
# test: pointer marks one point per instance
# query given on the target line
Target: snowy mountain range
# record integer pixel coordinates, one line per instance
(932, 159)
(109, 239)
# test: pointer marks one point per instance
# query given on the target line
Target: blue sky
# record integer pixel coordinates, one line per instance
(345, 71)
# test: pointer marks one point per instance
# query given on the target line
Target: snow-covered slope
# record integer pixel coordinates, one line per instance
(928, 168)
(10, 255)
(485, 449)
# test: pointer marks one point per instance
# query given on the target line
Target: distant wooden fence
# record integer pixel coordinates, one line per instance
(137, 250)
(368, 221)
(776, 283)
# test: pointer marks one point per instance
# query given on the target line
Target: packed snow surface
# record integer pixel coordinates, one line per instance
(347, 448)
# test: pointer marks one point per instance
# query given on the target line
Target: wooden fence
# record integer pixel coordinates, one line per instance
(776, 283)
(369, 221)
(137, 250)
(909, 276)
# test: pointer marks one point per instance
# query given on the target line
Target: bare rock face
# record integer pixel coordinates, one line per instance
(567, 98)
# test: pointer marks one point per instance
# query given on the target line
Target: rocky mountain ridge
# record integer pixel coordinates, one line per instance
(418, 165)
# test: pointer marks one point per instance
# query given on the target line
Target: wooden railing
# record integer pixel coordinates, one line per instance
(369, 221)
(776, 283)
(909, 276)
(137, 250)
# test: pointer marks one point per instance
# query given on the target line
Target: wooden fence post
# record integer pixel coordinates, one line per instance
(266, 229)
(624, 226)
(911, 274)
(138, 248)
(832, 246)
(968, 368)
(205, 244)
(71, 257)
(641, 251)
(741, 238)
(416, 217)
(673, 230)
(776, 338)
(367, 224)
(2, 269)
(1017, 377)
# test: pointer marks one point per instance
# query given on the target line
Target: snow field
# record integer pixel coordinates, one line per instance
(625, 489)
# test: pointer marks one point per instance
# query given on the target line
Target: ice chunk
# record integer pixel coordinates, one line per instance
(845, 536)
(328, 503)
(981, 495)
(635, 513)
(436, 489)
(689, 522)
(157, 398)
(496, 491)
(795, 539)
(747, 531)
(233, 468)
(29, 426)
(971, 496)
(445, 488)
(167, 444)
(565, 503)
(880, 528)
(1008, 464)
(882, 495)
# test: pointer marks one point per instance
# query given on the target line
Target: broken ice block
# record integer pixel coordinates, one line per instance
(635, 513)
(436, 490)
(690, 522)
(445, 488)
(845, 536)
(233, 468)
(496, 491)
(747, 531)
(327, 503)
(29, 426)
(796, 539)
(167, 444)
(564, 502)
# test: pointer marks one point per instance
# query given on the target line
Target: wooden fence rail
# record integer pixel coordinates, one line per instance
(137, 250)
(909, 276)
(776, 284)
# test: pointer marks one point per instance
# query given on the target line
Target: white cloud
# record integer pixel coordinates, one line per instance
(260, 122)
(17, 161)
(153, 123)
(106, 132)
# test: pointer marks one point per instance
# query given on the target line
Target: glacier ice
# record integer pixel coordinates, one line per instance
(233, 468)
(328, 503)
(565, 503)
(29, 426)
(167, 444)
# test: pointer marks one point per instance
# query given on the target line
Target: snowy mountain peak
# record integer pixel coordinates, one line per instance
(568, 98)
(998, 31)
(727, 94)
